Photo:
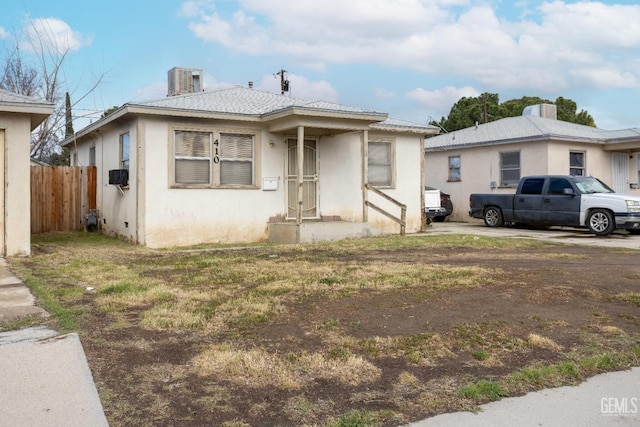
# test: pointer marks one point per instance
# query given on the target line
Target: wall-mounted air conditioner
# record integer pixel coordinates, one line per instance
(119, 177)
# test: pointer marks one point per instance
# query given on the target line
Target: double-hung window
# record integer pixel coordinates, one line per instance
(509, 168)
(380, 163)
(576, 163)
(236, 159)
(192, 156)
(212, 159)
(454, 168)
(124, 151)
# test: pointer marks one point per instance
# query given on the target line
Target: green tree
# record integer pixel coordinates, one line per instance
(487, 108)
(108, 111)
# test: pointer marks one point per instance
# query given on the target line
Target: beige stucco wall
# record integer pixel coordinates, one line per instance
(341, 180)
(153, 213)
(481, 165)
(17, 130)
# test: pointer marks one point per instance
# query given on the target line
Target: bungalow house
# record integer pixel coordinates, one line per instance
(19, 115)
(492, 157)
(243, 165)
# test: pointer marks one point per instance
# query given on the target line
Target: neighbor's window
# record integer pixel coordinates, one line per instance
(576, 163)
(124, 151)
(509, 168)
(380, 164)
(454, 168)
(92, 156)
(203, 158)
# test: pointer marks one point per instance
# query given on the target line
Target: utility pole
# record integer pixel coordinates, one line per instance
(284, 84)
(484, 107)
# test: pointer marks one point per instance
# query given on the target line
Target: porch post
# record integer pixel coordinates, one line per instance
(423, 215)
(300, 177)
(365, 175)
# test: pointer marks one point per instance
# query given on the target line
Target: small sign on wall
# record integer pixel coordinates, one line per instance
(270, 184)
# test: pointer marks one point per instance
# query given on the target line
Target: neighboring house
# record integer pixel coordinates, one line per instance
(243, 165)
(492, 157)
(19, 115)
(36, 162)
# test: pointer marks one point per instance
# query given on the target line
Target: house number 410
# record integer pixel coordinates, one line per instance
(216, 151)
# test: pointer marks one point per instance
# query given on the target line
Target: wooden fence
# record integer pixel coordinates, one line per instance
(61, 197)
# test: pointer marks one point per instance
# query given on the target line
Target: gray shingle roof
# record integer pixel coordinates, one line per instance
(241, 100)
(397, 124)
(14, 98)
(522, 128)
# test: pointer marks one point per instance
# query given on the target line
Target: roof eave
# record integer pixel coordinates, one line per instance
(537, 138)
(37, 111)
(370, 116)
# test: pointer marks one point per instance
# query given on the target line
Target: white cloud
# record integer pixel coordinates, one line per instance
(54, 35)
(553, 47)
(300, 87)
(438, 102)
(4, 34)
(153, 91)
(384, 93)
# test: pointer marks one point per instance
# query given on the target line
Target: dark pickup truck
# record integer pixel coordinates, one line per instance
(575, 201)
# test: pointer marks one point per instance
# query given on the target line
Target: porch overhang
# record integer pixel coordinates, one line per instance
(320, 122)
(629, 146)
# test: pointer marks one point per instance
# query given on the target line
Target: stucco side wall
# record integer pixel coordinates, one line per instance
(180, 216)
(407, 189)
(480, 167)
(117, 208)
(17, 131)
(341, 180)
(340, 176)
(598, 162)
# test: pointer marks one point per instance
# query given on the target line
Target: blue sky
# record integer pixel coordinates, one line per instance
(412, 59)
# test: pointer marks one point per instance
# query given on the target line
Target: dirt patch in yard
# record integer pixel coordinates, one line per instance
(357, 346)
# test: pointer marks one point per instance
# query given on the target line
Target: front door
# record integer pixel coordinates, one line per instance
(620, 172)
(309, 179)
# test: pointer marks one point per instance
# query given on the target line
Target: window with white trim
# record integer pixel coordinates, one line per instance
(236, 159)
(124, 151)
(380, 163)
(577, 163)
(509, 168)
(211, 159)
(454, 168)
(192, 156)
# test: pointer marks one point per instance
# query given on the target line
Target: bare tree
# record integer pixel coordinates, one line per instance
(44, 80)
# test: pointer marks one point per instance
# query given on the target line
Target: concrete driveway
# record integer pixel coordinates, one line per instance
(566, 235)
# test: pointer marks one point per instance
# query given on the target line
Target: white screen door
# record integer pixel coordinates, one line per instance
(309, 179)
(620, 172)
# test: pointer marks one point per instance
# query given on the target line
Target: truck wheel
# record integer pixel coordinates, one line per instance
(493, 217)
(601, 222)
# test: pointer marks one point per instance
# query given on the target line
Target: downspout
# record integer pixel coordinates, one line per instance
(141, 208)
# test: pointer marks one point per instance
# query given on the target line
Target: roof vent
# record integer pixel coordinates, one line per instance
(184, 80)
(548, 111)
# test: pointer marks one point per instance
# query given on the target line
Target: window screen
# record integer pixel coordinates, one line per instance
(192, 157)
(379, 166)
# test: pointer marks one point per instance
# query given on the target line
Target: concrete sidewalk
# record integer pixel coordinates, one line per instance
(45, 379)
(611, 399)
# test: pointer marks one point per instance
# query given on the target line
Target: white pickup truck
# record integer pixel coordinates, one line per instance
(576, 201)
